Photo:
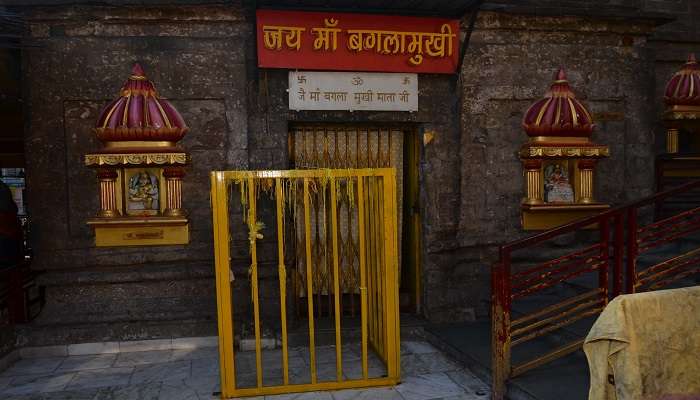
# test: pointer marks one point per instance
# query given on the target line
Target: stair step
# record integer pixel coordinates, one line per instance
(61, 334)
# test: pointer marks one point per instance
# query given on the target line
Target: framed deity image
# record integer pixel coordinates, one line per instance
(558, 182)
(143, 191)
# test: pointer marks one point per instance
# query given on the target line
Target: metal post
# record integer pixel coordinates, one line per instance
(632, 249)
(619, 248)
(604, 227)
(501, 338)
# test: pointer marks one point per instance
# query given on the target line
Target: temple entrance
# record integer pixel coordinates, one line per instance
(342, 146)
(282, 226)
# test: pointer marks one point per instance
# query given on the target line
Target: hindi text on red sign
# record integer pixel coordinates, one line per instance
(356, 42)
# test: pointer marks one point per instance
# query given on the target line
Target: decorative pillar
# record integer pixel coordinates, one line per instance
(173, 180)
(533, 177)
(672, 141)
(108, 194)
(585, 179)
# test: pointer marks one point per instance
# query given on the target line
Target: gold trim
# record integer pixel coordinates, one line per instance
(564, 207)
(138, 143)
(109, 114)
(564, 151)
(559, 139)
(585, 110)
(678, 86)
(125, 116)
(691, 93)
(131, 221)
(162, 112)
(542, 111)
(146, 118)
(135, 159)
(683, 108)
(574, 114)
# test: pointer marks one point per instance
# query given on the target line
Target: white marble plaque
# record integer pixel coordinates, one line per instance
(353, 91)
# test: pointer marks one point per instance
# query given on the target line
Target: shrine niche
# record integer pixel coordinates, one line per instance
(140, 169)
(682, 121)
(559, 159)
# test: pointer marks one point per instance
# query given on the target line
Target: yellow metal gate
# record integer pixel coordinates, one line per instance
(285, 199)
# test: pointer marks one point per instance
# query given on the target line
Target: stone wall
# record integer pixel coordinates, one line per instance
(196, 57)
(670, 45)
(203, 59)
(510, 63)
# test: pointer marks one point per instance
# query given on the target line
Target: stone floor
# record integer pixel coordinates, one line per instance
(193, 375)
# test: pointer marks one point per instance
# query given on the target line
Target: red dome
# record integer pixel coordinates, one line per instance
(684, 86)
(140, 115)
(559, 113)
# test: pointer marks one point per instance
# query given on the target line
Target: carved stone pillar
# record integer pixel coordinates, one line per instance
(672, 141)
(585, 179)
(108, 194)
(173, 181)
(533, 177)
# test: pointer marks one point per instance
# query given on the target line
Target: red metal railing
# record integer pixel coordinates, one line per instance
(617, 241)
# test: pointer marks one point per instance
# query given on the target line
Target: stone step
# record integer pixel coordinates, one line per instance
(156, 309)
(119, 291)
(128, 273)
(59, 334)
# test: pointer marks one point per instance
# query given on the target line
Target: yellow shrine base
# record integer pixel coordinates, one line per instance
(547, 216)
(151, 231)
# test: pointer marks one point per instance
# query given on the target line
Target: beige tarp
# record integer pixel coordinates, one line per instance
(646, 346)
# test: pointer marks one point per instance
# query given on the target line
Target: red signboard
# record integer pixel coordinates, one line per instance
(356, 42)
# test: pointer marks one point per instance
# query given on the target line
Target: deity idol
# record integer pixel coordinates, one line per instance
(556, 186)
(143, 192)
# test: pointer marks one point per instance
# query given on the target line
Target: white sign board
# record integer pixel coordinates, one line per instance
(353, 91)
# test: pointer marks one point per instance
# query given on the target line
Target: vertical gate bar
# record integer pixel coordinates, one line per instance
(603, 272)
(351, 250)
(317, 250)
(370, 262)
(336, 282)
(374, 265)
(363, 272)
(252, 221)
(381, 281)
(223, 283)
(327, 247)
(309, 285)
(619, 249)
(282, 271)
(631, 278)
(375, 268)
(391, 276)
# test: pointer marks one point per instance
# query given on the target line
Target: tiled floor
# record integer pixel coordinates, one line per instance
(193, 375)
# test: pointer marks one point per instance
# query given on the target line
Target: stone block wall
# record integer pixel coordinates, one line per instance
(670, 45)
(510, 63)
(202, 58)
(195, 56)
